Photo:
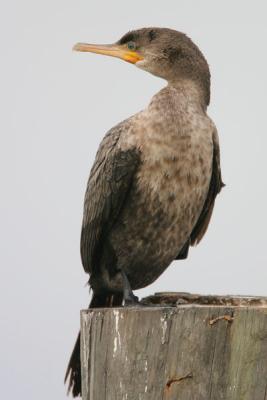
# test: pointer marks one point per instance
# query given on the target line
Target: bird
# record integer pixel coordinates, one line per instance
(153, 184)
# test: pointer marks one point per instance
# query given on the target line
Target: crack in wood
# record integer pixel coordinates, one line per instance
(178, 380)
(212, 361)
(227, 318)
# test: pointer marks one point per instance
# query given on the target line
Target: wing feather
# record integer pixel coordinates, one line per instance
(216, 184)
(109, 182)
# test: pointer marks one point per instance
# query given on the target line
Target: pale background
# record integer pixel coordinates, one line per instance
(56, 106)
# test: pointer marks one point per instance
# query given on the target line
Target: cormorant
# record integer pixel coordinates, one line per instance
(156, 175)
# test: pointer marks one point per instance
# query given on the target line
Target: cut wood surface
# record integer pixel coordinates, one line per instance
(177, 346)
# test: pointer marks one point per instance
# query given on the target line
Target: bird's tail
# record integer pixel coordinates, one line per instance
(73, 373)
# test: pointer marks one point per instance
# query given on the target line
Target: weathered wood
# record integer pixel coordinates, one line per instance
(190, 347)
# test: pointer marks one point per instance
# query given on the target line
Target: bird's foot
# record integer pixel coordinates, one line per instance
(130, 300)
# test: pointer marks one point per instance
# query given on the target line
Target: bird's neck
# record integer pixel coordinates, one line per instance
(191, 91)
(175, 105)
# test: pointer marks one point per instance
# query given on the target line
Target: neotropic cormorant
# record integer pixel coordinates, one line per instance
(156, 175)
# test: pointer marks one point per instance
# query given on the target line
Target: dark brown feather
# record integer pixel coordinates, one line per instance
(216, 184)
(109, 182)
(184, 252)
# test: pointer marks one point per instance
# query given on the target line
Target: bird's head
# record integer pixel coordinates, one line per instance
(163, 52)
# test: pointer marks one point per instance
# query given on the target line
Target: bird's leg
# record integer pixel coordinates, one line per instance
(129, 299)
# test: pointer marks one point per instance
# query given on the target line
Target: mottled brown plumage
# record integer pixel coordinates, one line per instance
(152, 188)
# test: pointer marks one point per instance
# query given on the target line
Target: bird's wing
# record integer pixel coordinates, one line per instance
(108, 185)
(216, 184)
(215, 187)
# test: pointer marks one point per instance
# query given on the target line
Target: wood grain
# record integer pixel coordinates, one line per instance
(190, 351)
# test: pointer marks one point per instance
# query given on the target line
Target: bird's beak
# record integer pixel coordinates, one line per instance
(112, 50)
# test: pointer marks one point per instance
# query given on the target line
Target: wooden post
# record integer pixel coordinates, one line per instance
(178, 347)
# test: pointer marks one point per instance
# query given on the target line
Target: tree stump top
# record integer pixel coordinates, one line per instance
(178, 346)
(179, 298)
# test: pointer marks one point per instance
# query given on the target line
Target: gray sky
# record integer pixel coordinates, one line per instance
(56, 106)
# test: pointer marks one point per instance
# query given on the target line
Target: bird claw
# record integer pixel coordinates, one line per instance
(131, 301)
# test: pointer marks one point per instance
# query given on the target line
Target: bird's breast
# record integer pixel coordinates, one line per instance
(176, 165)
(165, 201)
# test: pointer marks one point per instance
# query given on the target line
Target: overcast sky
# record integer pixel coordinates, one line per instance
(56, 106)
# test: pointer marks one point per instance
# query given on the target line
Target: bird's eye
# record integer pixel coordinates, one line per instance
(131, 45)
